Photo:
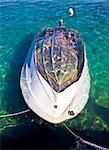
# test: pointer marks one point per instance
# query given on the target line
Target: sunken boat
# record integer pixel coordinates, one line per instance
(55, 79)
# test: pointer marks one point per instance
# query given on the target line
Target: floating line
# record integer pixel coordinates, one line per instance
(8, 126)
(15, 114)
(84, 141)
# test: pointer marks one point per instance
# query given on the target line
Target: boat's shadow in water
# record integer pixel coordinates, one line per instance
(14, 100)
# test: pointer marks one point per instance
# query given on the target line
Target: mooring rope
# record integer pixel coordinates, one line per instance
(8, 126)
(15, 114)
(69, 130)
(84, 141)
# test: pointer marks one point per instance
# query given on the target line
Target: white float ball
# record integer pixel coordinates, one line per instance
(71, 11)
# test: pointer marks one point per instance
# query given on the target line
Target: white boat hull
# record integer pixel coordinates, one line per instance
(42, 99)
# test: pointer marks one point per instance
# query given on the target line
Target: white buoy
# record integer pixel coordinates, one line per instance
(71, 11)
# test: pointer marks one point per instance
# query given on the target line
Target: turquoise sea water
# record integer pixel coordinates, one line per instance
(20, 20)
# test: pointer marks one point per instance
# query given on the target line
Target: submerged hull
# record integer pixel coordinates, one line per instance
(45, 101)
